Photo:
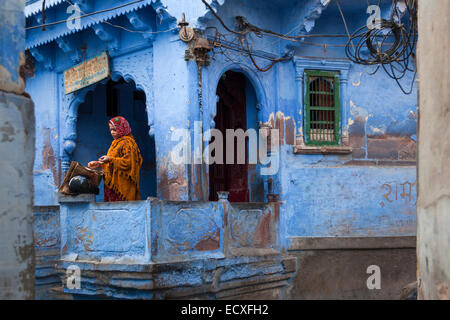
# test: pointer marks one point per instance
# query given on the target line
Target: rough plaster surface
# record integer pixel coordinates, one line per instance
(165, 249)
(47, 242)
(342, 274)
(12, 41)
(16, 190)
(434, 150)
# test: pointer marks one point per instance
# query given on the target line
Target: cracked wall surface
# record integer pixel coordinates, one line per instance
(16, 163)
(16, 191)
(433, 244)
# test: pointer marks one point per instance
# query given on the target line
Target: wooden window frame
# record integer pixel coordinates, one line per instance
(337, 107)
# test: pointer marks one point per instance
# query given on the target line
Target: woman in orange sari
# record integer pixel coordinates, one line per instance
(121, 164)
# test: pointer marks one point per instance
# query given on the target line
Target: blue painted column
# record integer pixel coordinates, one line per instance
(171, 80)
(16, 163)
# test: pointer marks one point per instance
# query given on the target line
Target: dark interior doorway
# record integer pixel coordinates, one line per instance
(231, 114)
(107, 100)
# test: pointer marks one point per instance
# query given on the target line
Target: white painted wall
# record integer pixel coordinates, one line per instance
(433, 236)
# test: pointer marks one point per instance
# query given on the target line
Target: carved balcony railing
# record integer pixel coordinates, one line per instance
(216, 249)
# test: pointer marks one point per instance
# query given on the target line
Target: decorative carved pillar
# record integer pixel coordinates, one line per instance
(68, 116)
(345, 112)
(299, 78)
(69, 133)
(223, 200)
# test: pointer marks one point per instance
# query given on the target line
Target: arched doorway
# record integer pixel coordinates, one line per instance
(109, 99)
(236, 109)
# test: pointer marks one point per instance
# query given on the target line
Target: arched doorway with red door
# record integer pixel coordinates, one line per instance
(236, 109)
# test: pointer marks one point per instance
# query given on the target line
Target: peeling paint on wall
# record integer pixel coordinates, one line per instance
(48, 156)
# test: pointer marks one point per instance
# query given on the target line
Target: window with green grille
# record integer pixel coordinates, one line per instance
(322, 108)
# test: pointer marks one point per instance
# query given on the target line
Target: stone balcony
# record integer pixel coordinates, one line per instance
(156, 249)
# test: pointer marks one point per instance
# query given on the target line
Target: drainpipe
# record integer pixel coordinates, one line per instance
(201, 49)
(198, 48)
(203, 178)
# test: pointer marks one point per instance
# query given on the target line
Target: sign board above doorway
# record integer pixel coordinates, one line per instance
(86, 73)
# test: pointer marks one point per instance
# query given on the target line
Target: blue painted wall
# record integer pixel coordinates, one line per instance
(322, 195)
(11, 50)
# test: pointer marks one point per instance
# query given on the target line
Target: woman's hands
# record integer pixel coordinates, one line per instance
(99, 162)
(104, 159)
(94, 164)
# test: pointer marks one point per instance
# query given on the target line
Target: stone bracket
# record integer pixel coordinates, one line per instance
(43, 56)
(108, 34)
(142, 21)
(68, 45)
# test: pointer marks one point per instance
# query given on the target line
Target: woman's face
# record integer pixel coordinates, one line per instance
(113, 131)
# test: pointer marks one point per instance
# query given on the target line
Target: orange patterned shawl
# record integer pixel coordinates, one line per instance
(122, 173)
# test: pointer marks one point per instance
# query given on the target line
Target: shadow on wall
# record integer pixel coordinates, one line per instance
(93, 137)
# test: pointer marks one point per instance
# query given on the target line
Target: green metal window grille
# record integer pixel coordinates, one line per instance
(322, 108)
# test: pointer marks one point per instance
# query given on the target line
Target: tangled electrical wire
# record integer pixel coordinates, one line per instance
(395, 57)
(391, 44)
(234, 48)
(241, 42)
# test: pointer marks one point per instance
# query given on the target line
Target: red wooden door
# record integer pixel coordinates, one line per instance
(231, 114)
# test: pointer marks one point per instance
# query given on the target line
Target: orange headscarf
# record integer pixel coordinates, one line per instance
(122, 172)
